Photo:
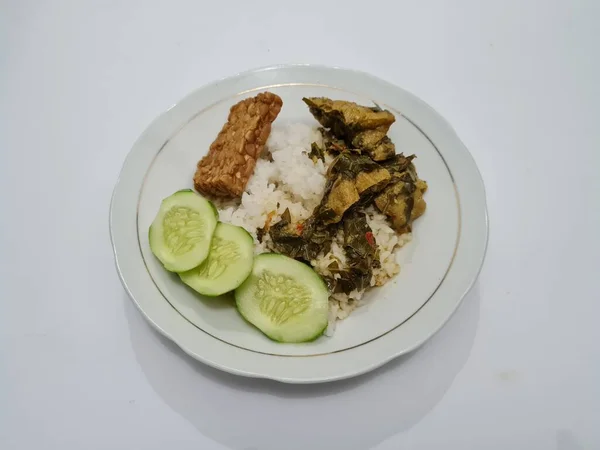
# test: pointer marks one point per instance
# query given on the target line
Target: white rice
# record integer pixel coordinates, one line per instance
(292, 181)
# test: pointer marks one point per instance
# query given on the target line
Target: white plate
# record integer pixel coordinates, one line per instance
(438, 267)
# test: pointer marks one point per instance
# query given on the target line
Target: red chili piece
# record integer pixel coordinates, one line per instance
(370, 238)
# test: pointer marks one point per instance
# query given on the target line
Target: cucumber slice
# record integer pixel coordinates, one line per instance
(284, 298)
(228, 264)
(181, 232)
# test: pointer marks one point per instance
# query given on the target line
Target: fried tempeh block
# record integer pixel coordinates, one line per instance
(230, 161)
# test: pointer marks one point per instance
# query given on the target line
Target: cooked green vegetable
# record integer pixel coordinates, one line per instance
(333, 144)
(228, 264)
(181, 232)
(398, 164)
(316, 153)
(284, 298)
(360, 248)
(302, 240)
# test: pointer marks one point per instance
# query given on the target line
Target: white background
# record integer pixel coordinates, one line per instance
(518, 366)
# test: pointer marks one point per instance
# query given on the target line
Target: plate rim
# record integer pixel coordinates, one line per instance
(390, 355)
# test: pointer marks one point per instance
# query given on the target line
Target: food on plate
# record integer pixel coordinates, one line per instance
(228, 264)
(285, 299)
(360, 247)
(230, 161)
(325, 209)
(343, 117)
(360, 127)
(337, 198)
(334, 145)
(340, 195)
(402, 200)
(367, 176)
(181, 233)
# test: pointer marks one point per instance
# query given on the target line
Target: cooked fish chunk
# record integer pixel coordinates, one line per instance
(397, 202)
(359, 127)
(348, 116)
(419, 203)
(378, 148)
(402, 201)
(367, 182)
(343, 195)
(368, 177)
(230, 162)
(375, 143)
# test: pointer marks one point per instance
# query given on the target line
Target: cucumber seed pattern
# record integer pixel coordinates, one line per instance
(183, 228)
(281, 297)
(222, 253)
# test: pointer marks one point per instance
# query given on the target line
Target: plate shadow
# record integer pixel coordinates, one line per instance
(252, 414)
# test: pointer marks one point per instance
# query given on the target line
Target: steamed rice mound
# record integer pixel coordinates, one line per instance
(286, 178)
